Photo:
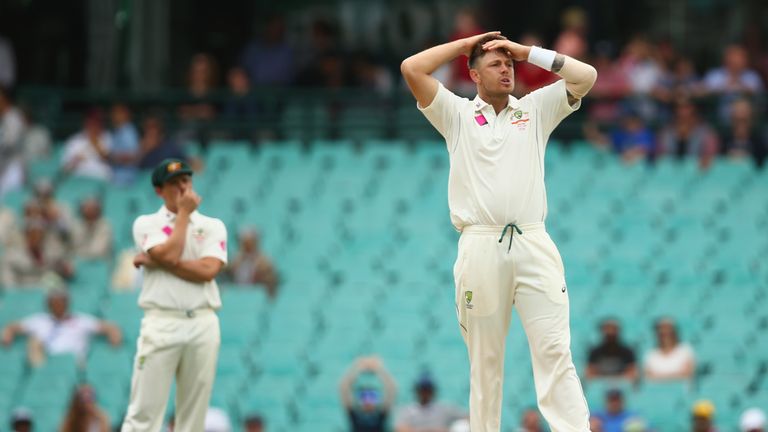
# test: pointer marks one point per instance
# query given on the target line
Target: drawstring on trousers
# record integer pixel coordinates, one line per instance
(512, 234)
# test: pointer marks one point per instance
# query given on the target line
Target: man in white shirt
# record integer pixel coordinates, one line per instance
(496, 145)
(59, 331)
(182, 251)
(85, 153)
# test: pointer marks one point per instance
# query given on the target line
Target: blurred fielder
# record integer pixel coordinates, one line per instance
(182, 251)
(498, 202)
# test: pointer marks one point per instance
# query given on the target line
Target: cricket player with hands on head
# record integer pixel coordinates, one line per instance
(182, 251)
(497, 200)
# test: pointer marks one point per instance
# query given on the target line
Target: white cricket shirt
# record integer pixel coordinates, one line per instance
(206, 237)
(497, 161)
(70, 335)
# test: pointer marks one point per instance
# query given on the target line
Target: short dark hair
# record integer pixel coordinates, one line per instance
(478, 51)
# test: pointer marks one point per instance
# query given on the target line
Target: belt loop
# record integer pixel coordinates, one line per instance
(190, 313)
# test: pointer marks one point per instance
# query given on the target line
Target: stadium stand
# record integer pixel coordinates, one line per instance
(365, 249)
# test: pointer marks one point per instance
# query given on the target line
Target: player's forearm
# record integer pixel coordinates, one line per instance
(579, 76)
(429, 60)
(198, 271)
(168, 254)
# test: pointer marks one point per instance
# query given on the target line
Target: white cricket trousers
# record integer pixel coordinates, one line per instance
(493, 275)
(179, 344)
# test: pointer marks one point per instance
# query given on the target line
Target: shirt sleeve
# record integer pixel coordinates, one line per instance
(215, 244)
(552, 105)
(443, 114)
(88, 323)
(146, 235)
(31, 324)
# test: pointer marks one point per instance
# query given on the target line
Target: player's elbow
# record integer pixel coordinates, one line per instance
(591, 75)
(407, 68)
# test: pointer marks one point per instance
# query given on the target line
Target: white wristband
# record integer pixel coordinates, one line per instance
(541, 57)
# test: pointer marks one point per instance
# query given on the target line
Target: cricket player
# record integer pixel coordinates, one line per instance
(497, 200)
(182, 251)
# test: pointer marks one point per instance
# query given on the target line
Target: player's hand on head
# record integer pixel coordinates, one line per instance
(517, 51)
(189, 200)
(470, 42)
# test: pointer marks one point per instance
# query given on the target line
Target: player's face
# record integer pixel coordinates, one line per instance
(494, 74)
(173, 188)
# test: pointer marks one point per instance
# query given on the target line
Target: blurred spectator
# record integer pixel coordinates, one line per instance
(56, 215)
(270, 60)
(251, 265)
(202, 79)
(610, 88)
(59, 331)
(92, 233)
(35, 259)
(21, 420)
(465, 25)
(253, 423)
(733, 79)
(217, 420)
(529, 77)
(324, 66)
(461, 425)
(680, 81)
(743, 138)
(125, 275)
(688, 136)
(11, 134)
(196, 114)
(36, 142)
(367, 409)
(752, 420)
(7, 226)
(702, 417)
(84, 413)
(640, 66)
(369, 75)
(86, 153)
(595, 424)
(7, 63)
(572, 40)
(426, 415)
(615, 416)
(124, 153)
(611, 358)
(155, 145)
(671, 359)
(530, 421)
(240, 104)
(632, 139)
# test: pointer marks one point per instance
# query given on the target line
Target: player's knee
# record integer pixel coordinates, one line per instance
(554, 348)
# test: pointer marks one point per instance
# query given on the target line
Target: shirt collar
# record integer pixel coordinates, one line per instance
(171, 216)
(479, 104)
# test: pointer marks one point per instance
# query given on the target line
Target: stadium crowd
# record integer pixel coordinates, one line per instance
(650, 101)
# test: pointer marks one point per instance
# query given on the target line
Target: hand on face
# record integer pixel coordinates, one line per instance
(188, 200)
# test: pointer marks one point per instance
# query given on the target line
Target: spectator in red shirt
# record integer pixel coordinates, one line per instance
(529, 77)
(465, 25)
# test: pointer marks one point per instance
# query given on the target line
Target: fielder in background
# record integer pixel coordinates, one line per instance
(182, 251)
(496, 146)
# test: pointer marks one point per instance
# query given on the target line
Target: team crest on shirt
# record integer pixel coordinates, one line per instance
(520, 119)
(468, 298)
(198, 234)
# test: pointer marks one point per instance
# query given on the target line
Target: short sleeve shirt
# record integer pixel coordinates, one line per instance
(432, 416)
(611, 359)
(68, 336)
(497, 161)
(206, 237)
(672, 363)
